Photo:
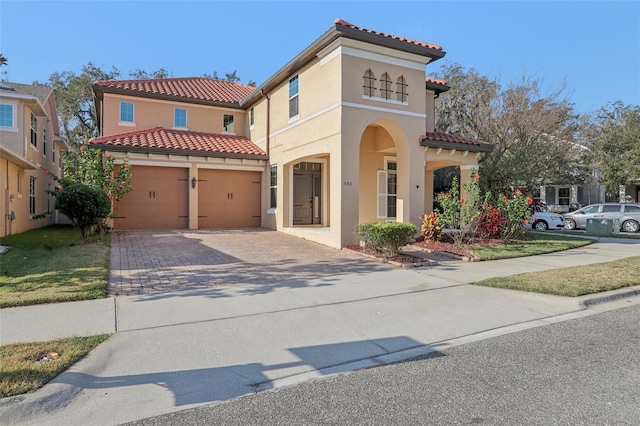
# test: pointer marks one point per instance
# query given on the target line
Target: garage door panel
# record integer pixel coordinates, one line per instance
(228, 199)
(158, 200)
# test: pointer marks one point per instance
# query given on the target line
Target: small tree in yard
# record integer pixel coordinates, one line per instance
(84, 206)
(458, 214)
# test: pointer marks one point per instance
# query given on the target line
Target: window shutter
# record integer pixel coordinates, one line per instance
(382, 194)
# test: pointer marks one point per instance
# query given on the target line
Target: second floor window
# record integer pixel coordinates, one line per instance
(34, 131)
(179, 117)
(385, 86)
(44, 141)
(252, 117)
(293, 97)
(401, 89)
(6, 115)
(227, 125)
(369, 83)
(126, 112)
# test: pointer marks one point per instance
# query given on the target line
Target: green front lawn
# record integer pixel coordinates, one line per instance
(536, 243)
(575, 280)
(51, 264)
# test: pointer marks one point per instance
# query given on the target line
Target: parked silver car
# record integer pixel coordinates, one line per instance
(628, 214)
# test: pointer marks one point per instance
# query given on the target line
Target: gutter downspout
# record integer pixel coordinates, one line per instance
(268, 98)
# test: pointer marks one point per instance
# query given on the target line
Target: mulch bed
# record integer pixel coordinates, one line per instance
(444, 246)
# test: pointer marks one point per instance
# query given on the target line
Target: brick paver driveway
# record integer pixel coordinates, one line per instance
(148, 262)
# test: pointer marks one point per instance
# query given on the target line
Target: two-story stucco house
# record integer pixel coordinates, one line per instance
(342, 134)
(30, 154)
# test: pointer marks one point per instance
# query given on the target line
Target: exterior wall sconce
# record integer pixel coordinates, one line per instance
(193, 182)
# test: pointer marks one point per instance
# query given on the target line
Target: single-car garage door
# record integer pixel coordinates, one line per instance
(228, 199)
(158, 200)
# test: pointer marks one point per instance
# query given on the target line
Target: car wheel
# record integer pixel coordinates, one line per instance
(540, 225)
(569, 224)
(631, 226)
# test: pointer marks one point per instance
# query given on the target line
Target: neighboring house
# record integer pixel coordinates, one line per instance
(30, 153)
(564, 198)
(342, 134)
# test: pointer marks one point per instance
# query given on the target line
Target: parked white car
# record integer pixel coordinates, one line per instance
(541, 221)
(627, 213)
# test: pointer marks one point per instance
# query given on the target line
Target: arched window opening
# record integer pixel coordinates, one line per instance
(369, 83)
(401, 89)
(385, 86)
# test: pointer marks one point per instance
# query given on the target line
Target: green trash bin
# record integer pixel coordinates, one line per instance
(603, 227)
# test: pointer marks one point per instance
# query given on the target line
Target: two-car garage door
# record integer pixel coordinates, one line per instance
(159, 199)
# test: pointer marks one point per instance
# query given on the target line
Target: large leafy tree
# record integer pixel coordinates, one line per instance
(613, 136)
(533, 133)
(78, 122)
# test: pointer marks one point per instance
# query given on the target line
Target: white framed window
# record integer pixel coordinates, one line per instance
(32, 195)
(293, 97)
(8, 117)
(564, 196)
(369, 83)
(273, 187)
(228, 125)
(44, 141)
(53, 156)
(385, 86)
(19, 179)
(180, 118)
(401, 89)
(388, 189)
(34, 131)
(126, 114)
(252, 121)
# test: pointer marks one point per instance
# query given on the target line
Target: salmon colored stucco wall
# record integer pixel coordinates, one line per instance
(149, 113)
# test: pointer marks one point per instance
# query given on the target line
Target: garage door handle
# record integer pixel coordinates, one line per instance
(229, 195)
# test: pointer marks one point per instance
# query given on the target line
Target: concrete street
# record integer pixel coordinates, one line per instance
(255, 311)
(582, 371)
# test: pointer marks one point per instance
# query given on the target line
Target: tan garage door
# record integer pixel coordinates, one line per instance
(228, 199)
(158, 200)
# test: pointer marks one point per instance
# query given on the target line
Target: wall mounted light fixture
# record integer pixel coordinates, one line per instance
(193, 182)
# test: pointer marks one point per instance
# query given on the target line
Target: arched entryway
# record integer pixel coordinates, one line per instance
(385, 170)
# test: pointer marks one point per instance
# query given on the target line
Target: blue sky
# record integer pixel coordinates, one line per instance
(593, 45)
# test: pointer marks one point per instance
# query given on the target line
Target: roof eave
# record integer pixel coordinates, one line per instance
(393, 43)
(485, 147)
(436, 87)
(171, 151)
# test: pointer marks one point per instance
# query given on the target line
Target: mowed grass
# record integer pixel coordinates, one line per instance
(52, 264)
(536, 243)
(574, 281)
(22, 369)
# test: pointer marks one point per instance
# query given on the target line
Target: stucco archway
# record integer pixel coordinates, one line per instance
(384, 173)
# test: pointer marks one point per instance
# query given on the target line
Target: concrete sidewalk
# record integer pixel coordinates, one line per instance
(178, 350)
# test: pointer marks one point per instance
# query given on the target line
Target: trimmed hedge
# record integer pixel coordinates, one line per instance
(386, 237)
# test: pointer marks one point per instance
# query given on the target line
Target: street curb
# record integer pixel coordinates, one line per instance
(609, 296)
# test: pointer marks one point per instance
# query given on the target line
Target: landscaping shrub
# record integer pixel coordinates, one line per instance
(431, 229)
(85, 206)
(515, 211)
(490, 223)
(386, 237)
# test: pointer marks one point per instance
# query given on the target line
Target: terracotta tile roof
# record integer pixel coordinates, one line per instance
(435, 80)
(161, 139)
(446, 140)
(410, 41)
(199, 88)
